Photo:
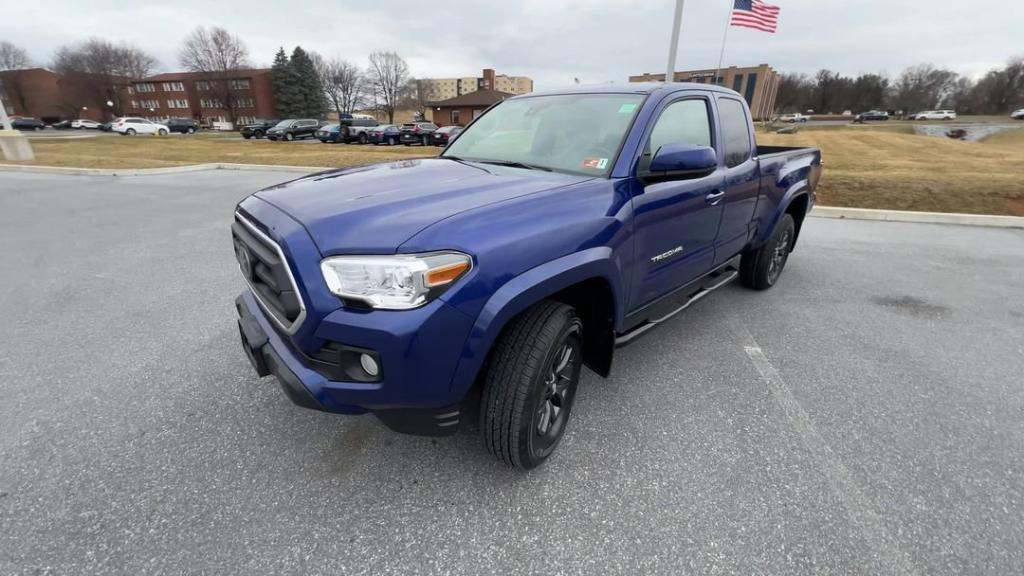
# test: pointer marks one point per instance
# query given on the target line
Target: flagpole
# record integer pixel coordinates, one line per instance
(725, 36)
(673, 46)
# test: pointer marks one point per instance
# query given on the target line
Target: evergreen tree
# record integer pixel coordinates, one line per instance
(310, 101)
(286, 89)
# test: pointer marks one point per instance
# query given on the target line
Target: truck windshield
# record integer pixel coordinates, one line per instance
(574, 133)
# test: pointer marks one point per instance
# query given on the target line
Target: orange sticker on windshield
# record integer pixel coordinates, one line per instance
(595, 163)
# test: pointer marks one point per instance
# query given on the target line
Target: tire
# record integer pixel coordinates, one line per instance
(760, 269)
(530, 384)
(161, 132)
(392, 141)
(258, 134)
(130, 131)
(426, 140)
(246, 136)
(362, 138)
(190, 130)
(289, 136)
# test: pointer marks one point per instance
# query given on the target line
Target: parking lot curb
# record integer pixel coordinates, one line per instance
(919, 217)
(157, 171)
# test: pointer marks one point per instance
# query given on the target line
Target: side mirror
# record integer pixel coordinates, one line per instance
(680, 161)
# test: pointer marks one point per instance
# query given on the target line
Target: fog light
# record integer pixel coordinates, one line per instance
(369, 364)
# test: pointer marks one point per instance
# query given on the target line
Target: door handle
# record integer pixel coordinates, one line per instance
(715, 197)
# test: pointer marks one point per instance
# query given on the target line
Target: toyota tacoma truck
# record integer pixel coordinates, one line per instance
(475, 286)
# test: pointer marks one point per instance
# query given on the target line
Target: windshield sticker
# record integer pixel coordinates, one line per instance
(595, 163)
(627, 108)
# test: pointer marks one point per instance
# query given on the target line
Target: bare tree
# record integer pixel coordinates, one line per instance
(344, 83)
(13, 57)
(923, 86)
(97, 71)
(218, 56)
(388, 76)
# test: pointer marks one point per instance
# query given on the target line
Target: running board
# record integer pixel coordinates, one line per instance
(713, 281)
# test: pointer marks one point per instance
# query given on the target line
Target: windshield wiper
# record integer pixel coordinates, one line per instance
(511, 164)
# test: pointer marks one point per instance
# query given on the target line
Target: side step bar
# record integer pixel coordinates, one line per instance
(710, 283)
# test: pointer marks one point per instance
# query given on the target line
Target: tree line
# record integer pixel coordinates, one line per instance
(305, 83)
(920, 87)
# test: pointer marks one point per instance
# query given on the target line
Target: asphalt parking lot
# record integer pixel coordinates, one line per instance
(864, 417)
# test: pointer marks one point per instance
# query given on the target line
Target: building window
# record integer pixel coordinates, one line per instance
(244, 103)
(242, 84)
(173, 87)
(131, 90)
(145, 87)
(210, 103)
(751, 87)
(148, 103)
(135, 103)
(455, 117)
(737, 82)
(202, 85)
(177, 103)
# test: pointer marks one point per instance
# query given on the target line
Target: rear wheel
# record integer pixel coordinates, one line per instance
(191, 130)
(161, 132)
(760, 269)
(258, 134)
(362, 138)
(130, 132)
(392, 141)
(530, 385)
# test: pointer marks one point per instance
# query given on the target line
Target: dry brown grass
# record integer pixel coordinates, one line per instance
(155, 152)
(864, 167)
(882, 169)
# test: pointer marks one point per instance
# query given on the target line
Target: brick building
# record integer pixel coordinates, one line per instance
(51, 97)
(436, 89)
(196, 95)
(759, 85)
(461, 110)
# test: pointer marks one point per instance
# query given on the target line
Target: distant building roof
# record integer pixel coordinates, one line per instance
(477, 98)
(172, 76)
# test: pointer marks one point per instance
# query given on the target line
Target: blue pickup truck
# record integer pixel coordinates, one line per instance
(558, 227)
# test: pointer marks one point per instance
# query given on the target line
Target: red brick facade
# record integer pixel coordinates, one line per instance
(195, 95)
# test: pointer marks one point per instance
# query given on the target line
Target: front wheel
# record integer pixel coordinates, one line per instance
(130, 132)
(289, 136)
(392, 141)
(760, 269)
(362, 138)
(530, 385)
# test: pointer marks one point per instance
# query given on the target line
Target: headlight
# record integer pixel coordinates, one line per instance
(398, 282)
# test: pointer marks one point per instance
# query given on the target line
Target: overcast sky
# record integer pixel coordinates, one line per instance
(551, 41)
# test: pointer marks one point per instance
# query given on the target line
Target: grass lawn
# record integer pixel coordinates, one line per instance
(177, 150)
(865, 166)
(868, 168)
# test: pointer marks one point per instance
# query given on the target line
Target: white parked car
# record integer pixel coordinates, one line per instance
(935, 115)
(83, 123)
(793, 118)
(131, 126)
(1017, 114)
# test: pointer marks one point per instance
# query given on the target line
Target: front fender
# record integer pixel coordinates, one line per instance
(523, 291)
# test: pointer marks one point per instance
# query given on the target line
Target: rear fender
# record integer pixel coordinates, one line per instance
(522, 292)
(801, 184)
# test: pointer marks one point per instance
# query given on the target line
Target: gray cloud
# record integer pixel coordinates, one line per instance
(552, 41)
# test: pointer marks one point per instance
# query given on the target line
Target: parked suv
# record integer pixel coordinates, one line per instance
(27, 124)
(1017, 114)
(183, 125)
(417, 133)
(935, 115)
(384, 134)
(131, 126)
(294, 128)
(258, 129)
(872, 115)
(354, 129)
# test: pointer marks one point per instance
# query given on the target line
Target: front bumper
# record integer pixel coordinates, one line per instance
(419, 351)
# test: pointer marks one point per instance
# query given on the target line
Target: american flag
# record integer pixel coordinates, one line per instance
(755, 14)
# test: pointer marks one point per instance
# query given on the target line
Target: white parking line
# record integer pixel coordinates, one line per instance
(859, 510)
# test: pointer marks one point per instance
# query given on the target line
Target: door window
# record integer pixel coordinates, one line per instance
(735, 131)
(681, 122)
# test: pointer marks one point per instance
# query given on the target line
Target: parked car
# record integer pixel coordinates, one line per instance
(1017, 114)
(384, 134)
(483, 280)
(417, 133)
(25, 123)
(445, 134)
(130, 126)
(872, 115)
(183, 125)
(934, 115)
(107, 126)
(329, 133)
(85, 124)
(293, 128)
(62, 125)
(258, 129)
(353, 129)
(793, 118)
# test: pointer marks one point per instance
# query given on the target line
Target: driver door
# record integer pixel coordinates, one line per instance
(676, 221)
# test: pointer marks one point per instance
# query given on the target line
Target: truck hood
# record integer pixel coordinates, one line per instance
(374, 209)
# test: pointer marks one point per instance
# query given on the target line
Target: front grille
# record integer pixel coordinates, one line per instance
(265, 269)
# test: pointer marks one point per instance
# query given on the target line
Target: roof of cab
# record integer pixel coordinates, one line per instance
(628, 88)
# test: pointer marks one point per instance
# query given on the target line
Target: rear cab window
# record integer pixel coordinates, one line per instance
(736, 145)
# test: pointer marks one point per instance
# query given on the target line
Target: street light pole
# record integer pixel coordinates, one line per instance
(673, 47)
